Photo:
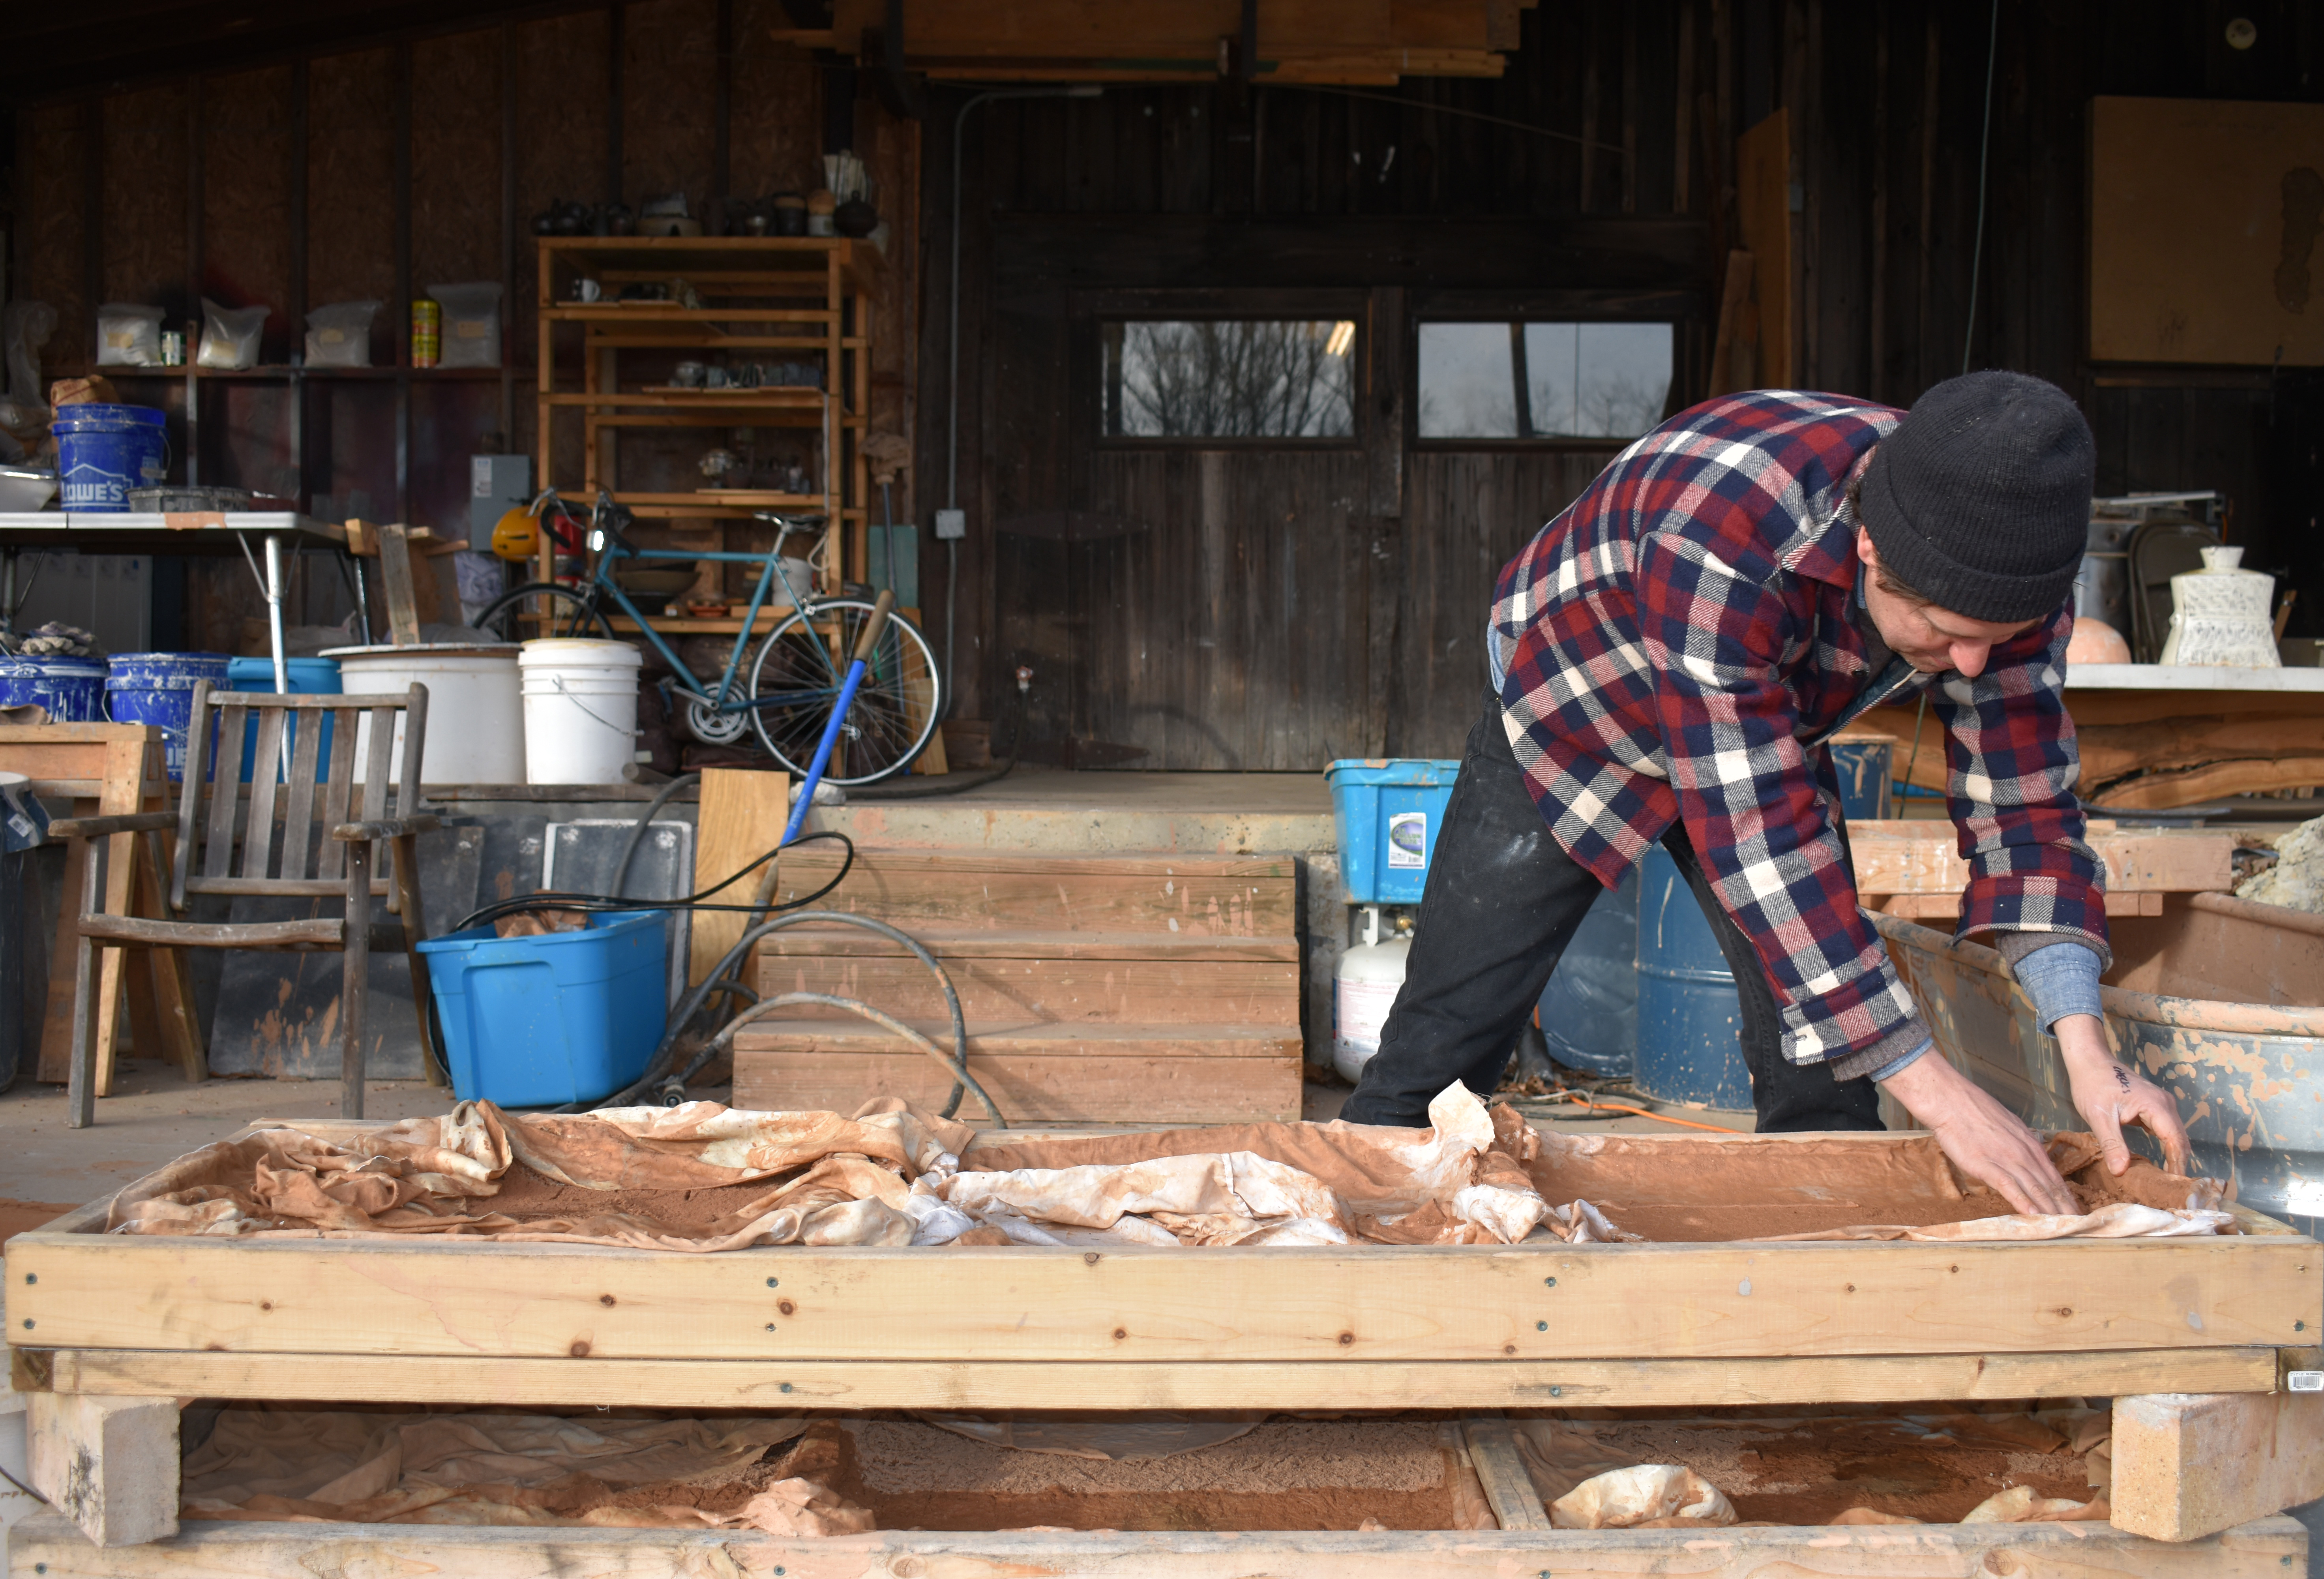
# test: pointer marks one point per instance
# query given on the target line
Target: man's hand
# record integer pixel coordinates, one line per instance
(1984, 1139)
(2111, 1097)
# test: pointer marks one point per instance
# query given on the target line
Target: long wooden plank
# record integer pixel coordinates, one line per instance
(742, 818)
(2264, 1549)
(887, 1384)
(948, 945)
(2189, 1464)
(1915, 857)
(1508, 1487)
(1006, 892)
(1700, 1301)
(1014, 991)
(1191, 1087)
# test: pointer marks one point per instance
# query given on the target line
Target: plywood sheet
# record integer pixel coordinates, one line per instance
(2207, 231)
(145, 198)
(50, 173)
(351, 191)
(669, 58)
(456, 160)
(247, 158)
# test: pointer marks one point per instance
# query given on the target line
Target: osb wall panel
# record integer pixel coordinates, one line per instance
(48, 173)
(560, 98)
(456, 159)
(145, 198)
(669, 60)
(351, 188)
(246, 199)
(891, 149)
(775, 140)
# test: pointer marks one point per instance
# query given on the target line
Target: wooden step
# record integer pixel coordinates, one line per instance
(1015, 989)
(1003, 891)
(949, 943)
(1044, 1073)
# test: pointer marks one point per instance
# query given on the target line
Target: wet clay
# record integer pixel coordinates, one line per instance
(1810, 1472)
(1672, 1192)
(1286, 1474)
(22, 1217)
(528, 1196)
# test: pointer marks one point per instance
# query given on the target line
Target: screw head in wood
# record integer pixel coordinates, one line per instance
(772, 1282)
(1549, 1282)
(31, 1276)
(1541, 1326)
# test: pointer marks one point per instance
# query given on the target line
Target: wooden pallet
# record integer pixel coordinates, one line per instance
(1155, 988)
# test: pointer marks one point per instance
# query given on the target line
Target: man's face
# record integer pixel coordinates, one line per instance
(1933, 640)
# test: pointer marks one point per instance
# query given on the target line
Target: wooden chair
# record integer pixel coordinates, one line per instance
(330, 823)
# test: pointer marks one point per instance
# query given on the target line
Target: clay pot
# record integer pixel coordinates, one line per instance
(855, 217)
(2096, 641)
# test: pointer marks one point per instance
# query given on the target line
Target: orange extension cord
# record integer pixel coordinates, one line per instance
(1624, 1107)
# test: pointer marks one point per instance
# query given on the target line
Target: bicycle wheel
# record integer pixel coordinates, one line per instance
(795, 684)
(571, 613)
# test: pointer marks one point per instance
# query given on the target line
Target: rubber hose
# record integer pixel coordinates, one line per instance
(658, 1067)
(955, 1068)
(952, 783)
(638, 829)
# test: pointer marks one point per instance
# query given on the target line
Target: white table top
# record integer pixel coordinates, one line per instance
(108, 521)
(2185, 677)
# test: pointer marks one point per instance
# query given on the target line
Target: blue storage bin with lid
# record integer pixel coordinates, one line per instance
(308, 677)
(541, 1021)
(1389, 812)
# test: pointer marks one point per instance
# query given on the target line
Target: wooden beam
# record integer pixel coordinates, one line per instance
(742, 818)
(2264, 1549)
(109, 1465)
(560, 1382)
(395, 578)
(2188, 1464)
(1897, 856)
(1372, 1303)
(1502, 1470)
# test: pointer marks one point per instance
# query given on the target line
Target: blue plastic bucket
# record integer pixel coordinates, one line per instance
(1690, 1016)
(1389, 813)
(71, 688)
(1590, 1009)
(103, 451)
(158, 688)
(540, 1021)
(310, 677)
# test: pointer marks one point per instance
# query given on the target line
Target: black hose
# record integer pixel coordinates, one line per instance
(951, 783)
(955, 1065)
(553, 900)
(658, 1067)
(638, 829)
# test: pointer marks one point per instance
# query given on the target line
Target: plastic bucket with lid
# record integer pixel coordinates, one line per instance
(103, 451)
(580, 710)
(475, 724)
(308, 677)
(158, 689)
(71, 688)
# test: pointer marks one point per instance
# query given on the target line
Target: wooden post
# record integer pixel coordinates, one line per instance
(1502, 1470)
(396, 576)
(356, 964)
(109, 1465)
(2189, 1464)
(741, 816)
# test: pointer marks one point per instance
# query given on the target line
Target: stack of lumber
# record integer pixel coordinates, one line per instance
(1913, 867)
(1110, 988)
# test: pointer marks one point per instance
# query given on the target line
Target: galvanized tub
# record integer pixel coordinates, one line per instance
(2218, 999)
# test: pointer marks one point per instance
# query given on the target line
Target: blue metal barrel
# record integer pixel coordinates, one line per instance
(1690, 1017)
(1589, 1010)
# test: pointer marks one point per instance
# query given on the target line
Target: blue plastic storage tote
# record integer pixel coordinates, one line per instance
(1388, 814)
(310, 677)
(540, 1021)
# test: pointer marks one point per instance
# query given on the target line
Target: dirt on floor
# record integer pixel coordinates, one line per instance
(1285, 1474)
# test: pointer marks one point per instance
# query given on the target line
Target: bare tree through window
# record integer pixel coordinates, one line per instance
(1226, 379)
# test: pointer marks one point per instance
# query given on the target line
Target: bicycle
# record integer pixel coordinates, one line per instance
(794, 681)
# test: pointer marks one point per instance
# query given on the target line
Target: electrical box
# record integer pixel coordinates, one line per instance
(497, 483)
(952, 524)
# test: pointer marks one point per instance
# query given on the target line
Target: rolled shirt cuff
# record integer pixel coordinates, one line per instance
(2062, 978)
(1899, 1066)
(1899, 1047)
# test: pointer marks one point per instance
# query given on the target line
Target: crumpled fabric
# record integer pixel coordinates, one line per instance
(1646, 1496)
(2024, 1505)
(301, 1465)
(2115, 1220)
(831, 1180)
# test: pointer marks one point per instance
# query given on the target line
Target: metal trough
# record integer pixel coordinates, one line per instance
(2219, 999)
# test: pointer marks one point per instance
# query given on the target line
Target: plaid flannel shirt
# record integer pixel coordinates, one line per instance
(1678, 639)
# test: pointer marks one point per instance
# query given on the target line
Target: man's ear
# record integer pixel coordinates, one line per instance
(1864, 549)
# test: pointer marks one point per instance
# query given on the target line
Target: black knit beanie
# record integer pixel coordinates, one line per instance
(1980, 499)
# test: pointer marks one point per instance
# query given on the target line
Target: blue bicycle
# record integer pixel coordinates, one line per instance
(792, 681)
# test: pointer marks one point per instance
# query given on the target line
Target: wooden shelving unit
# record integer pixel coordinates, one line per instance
(802, 299)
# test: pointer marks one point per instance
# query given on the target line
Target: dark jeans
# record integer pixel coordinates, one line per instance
(1502, 902)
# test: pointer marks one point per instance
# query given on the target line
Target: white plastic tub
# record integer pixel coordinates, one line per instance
(580, 710)
(475, 714)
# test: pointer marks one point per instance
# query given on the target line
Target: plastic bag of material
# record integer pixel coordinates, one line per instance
(230, 334)
(128, 336)
(1150, 1434)
(339, 335)
(2024, 1505)
(472, 324)
(1646, 1496)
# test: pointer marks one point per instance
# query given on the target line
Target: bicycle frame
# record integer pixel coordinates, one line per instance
(770, 564)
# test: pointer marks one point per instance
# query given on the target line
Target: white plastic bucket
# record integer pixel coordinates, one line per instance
(580, 710)
(475, 717)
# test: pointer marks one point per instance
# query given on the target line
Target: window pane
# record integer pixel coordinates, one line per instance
(1580, 380)
(1277, 379)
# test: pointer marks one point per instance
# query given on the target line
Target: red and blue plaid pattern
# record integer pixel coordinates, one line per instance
(1678, 640)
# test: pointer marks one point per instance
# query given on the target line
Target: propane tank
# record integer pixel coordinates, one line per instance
(1363, 990)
